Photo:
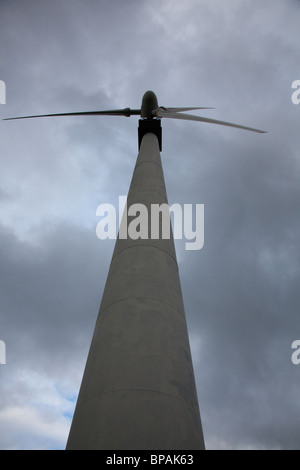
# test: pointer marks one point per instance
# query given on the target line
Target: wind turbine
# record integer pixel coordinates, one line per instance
(138, 389)
(148, 110)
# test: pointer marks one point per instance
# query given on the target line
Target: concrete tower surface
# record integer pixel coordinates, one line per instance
(138, 390)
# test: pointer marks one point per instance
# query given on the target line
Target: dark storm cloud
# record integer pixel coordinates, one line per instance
(42, 299)
(50, 294)
(241, 290)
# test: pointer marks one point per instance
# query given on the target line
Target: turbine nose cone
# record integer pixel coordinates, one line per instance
(149, 103)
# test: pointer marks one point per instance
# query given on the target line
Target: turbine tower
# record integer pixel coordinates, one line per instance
(138, 390)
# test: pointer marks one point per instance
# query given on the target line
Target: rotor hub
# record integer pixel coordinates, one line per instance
(149, 104)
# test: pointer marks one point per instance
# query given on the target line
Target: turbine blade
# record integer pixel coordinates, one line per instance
(190, 117)
(176, 110)
(113, 112)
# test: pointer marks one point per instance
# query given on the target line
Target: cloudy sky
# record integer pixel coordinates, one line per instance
(241, 291)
